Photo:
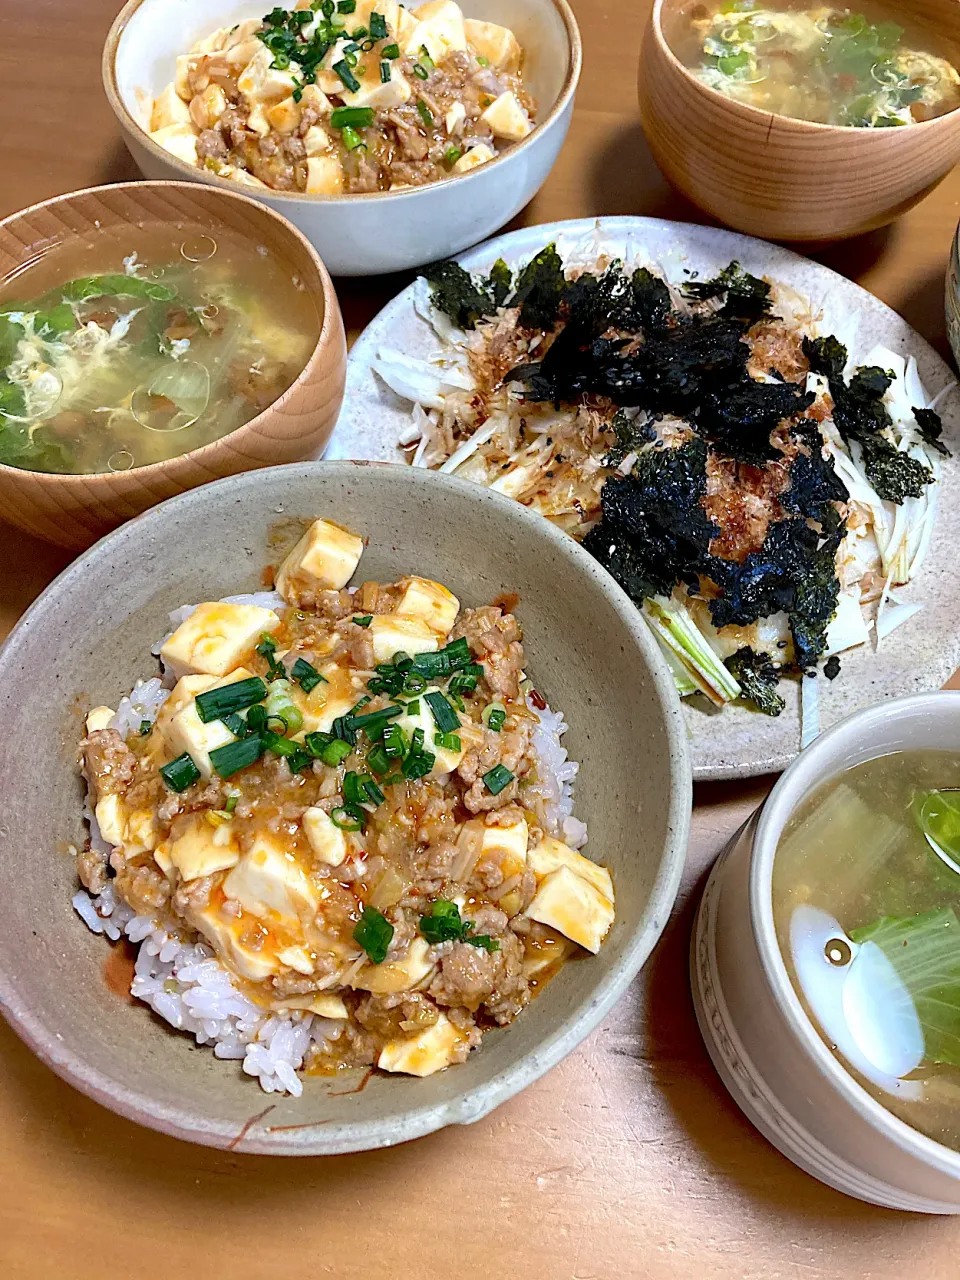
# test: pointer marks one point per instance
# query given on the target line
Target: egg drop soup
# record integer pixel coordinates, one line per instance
(866, 891)
(131, 346)
(866, 66)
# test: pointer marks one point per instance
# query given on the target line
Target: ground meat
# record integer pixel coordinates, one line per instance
(211, 145)
(393, 1016)
(92, 870)
(472, 977)
(510, 748)
(494, 640)
(145, 888)
(108, 763)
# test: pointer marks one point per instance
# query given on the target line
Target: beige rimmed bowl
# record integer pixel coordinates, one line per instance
(380, 231)
(88, 638)
(785, 179)
(762, 1041)
(74, 510)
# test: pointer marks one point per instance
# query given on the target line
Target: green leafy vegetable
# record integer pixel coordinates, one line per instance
(925, 952)
(115, 286)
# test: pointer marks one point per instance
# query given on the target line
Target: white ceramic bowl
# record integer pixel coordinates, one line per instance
(759, 1036)
(368, 234)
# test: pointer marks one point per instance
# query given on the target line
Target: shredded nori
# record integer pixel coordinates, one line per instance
(746, 298)
(758, 679)
(539, 287)
(459, 295)
(931, 428)
(629, 435)
(861, 417)
(831, 668)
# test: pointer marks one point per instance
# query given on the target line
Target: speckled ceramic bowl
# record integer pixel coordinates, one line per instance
(88, 638)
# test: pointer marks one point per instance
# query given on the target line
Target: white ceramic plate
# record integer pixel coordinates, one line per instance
(919, 656)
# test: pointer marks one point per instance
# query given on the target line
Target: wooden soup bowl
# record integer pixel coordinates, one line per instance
(75, 510)
(787, 179)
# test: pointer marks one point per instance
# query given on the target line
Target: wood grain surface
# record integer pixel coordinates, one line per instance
(629, 1160)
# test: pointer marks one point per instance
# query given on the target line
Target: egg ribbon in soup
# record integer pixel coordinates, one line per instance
(828, 65)
(181, 337)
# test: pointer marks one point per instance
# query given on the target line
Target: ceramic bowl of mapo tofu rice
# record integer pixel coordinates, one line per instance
(357, 796)
(391, 135)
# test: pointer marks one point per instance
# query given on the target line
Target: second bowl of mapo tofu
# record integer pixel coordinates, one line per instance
(353, 104)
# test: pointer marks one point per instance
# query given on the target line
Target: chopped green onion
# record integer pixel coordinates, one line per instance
(484, 940)
(442, 922)
(217, 703)
(361, 33)
(384, 72)
(298, 760)
(180, 773)
(497, 778)
(347, 78)
(418, 765)
(484, 62)
(454, 657)
(236, 724)
(267, 649)
(232, 800)
(374, 932)
(391, 51)
(373, 792)
(392, 742)
(347, 817)
(257, 718)
(307, 675)
(351, 47)
(374, 723)
(449, 741)
(332, 751)
(353, 792)
(236, 755)
(445, 716)
(378, 26)
(276, 743)
(378, 761)
(465, 680)
(414, 682)
(421, 73)
(392, 780)
(345, 6)
(365, 619)
(342, 728)
(280, 706)
(359, 117)
(413, 709)
(451, 156)
(145, 727)
(327, 7)
(493, 716)
(425, 59)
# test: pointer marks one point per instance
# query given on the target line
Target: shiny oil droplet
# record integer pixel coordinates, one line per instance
(122, 460)
(198, 248)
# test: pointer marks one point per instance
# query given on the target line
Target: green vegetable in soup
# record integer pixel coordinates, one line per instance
(116, 286)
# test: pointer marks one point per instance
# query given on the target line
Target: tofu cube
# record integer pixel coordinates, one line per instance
(498, 45)
(99, 718)
(550, 854)
(326, 557)
(509, 845)
(259, 82)
(214, 42)
(185, 731)
(207, 107)
(431, 602)
(424, 1053)
(392, 634)
(269, 883)
(506, 118)
(285, 116)
(327, 702)
(223, 936)
(439, 30)
(316, 142)
(240, 175)
(182, 694)
(186, 65)
(180, 140)
(169, 108)
(140, 835)
(201, 848)
(389, 10)
(397, 975)
(476, 156)
(406, 25)
(313, 96)
(296, 958)
(324, 175)
(217, 637)
(453, 120)
(257, 120)
(326, 839)
(238, 56)
(111, 818)
(567, 902)
(241, 33)
(373, 92)
(446, 760)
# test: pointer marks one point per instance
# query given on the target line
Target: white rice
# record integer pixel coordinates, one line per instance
(184, 983)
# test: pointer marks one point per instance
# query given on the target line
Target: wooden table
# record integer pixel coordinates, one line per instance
(629, 1159)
